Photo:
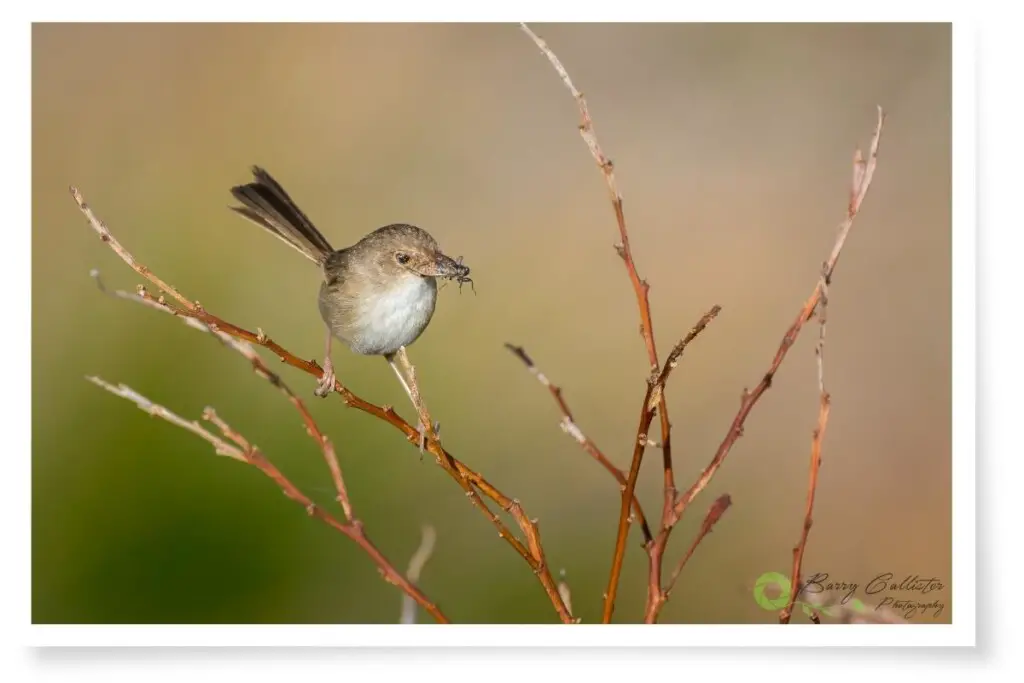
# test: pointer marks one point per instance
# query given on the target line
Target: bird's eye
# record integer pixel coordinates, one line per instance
(402, 258)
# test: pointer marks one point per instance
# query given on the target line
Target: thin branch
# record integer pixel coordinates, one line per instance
(812, 486)
(416, 563)
(863, 174)
(715, 513)
(659, 380)
(641, 289)
(654, 400)
(824, 404)
(565, 591)
(531, 529)
(330, 457)
(220, 446)
(470, 480)
(245, 452)
(656, 549)
(570, 427)
(142, 297)
(104, 234)
(259, 367)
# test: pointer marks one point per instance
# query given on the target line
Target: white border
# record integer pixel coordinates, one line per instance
(964, 298)
(500, 636)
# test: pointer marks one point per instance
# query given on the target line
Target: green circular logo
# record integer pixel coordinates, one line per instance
(768, 581)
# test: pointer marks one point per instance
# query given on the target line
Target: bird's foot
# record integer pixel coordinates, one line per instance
(422, 431)
(326, 383)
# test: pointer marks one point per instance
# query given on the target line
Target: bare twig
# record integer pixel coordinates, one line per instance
(641, 289)
(658, 380)
(259, 367)
(654, 400)
(812, 486)
(862, 176)
(718, 508)
(470, 480)
(570, 427)
(104, 234)
(211, 416)
(564, 591)
(531, 529)
(220, 446)
(142, 297)
(750, 398)
(330, 457)
(656, 597)
(863, 173)
(824, 404)
(247, 453)
(416, 563)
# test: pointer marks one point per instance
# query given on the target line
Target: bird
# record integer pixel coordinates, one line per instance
(376, 296)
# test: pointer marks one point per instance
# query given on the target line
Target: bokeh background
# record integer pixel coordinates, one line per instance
(733, 147)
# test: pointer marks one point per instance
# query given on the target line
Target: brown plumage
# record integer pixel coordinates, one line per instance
(377, 295)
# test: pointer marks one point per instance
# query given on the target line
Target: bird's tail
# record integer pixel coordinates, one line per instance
(266, 204)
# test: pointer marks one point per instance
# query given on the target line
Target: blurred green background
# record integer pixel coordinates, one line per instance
(733, 146)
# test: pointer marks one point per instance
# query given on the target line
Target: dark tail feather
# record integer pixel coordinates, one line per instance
(269, 206)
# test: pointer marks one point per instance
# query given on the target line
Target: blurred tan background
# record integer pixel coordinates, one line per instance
(733, 147)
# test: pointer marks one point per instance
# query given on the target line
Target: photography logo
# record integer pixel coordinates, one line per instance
(772, 591)
(822, 596)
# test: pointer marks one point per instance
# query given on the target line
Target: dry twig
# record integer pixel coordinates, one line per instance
(261, 369)
(570, 427)
(641, 288)
(654, 400)
(654, 397)
(565, 591)
(416, 563)
(750, 398)
(656, 596)
(863, 171)
(245, 452)
(718, 509)
(470, 481)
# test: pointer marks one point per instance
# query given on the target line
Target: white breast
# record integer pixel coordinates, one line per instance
(395, 317)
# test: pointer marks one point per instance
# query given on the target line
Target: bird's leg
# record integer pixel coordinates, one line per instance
(326, 384)
(426, 427)
(401, 378)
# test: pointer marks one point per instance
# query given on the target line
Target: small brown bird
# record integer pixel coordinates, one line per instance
(378, 295)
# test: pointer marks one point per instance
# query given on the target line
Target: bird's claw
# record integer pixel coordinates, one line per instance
(423, 438)
(421, 430)
(326, 383)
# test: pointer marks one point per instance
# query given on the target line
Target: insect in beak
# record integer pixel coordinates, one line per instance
(463, 276)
